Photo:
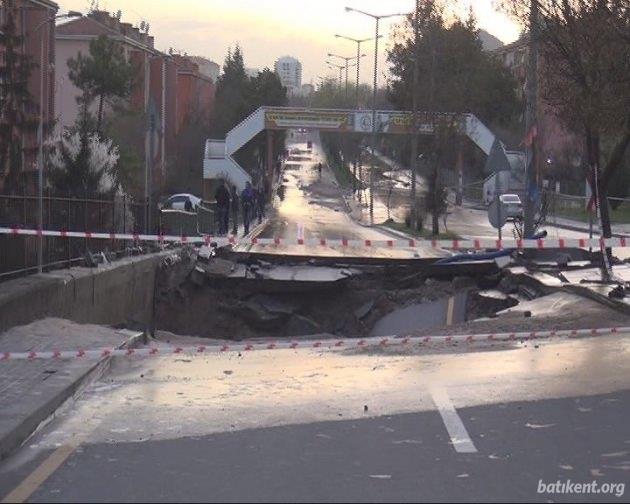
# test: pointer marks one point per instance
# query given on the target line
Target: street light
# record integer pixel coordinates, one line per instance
(377, 19)
(40, 140)
(358, 42)
(347, 60)
(334, 66)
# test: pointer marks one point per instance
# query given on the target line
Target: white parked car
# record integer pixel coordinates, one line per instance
(513, 205)
(182, 202)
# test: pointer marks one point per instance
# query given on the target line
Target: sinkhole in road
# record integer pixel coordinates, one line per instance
(227, 299)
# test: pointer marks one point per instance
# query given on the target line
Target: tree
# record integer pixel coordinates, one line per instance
(456, 74)
(15, 99)
(585, 78)
(189, 148)
(237, 96)
(329, 94)
(231, 98)
(83, 165)
(127, 130)
(104, 75)
(266, 89)
(439, 155)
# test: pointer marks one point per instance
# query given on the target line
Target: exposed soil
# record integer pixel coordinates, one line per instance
(213, 305)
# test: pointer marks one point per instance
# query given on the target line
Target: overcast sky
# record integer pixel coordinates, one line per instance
(267, 29)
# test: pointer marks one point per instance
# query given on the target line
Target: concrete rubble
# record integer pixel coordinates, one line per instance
(227, 295)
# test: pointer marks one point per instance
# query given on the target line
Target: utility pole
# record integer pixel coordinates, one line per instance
(347, 66)
(358, 42)
(531, 119)
(377, 20)
(374, 125)
(413, 164)
(334, 66)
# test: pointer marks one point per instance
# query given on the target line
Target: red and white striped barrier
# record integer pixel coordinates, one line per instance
(332, 344)
(470, 244)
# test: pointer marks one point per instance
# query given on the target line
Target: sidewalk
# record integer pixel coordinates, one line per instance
(619, 230)
(31, 391)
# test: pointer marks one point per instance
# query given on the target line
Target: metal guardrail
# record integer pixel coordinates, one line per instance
(574, 208)
(18, 254)
(183, 223)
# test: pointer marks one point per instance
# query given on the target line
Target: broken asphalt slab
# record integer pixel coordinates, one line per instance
(32, 391)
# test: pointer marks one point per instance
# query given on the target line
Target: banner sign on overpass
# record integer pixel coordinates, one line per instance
(323, 120)
(346, 121)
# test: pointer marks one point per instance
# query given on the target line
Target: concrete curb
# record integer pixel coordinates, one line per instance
(45, 413)
(259, 228)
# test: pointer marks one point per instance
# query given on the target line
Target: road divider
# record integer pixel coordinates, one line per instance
(468, 244)
(328, 344)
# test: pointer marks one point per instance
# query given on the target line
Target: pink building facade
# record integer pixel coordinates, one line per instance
(34, 21)
(168, 88)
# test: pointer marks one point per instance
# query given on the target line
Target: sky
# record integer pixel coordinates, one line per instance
(268, 29)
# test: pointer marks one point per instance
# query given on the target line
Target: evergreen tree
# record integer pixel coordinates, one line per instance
(232, 101)
(15, 100)
(103, 76)
(456, 74)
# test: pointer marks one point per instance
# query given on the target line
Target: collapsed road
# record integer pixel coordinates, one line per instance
(391, 423)
(231, 295)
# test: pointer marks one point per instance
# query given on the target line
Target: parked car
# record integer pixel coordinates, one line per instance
(182, 202)
(513, 205)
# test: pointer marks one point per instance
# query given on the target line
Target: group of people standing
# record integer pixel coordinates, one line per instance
(250, 202)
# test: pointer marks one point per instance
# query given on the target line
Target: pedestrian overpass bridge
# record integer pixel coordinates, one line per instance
(219, 159)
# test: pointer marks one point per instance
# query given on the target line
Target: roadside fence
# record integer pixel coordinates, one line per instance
(18, 254)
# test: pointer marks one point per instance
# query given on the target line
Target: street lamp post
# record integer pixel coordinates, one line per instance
(358, 42)
(334, 66)
(40, 140)
(377, 20)
(531, 93)
(347, 60)
(414, 127)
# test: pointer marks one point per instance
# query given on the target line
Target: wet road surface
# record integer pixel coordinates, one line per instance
(487, 423)
(314, 208)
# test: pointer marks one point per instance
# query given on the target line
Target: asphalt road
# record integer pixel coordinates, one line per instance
(454, 424)
(314, 208)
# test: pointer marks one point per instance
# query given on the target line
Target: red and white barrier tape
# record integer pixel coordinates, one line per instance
(470, 244)
(331, 344)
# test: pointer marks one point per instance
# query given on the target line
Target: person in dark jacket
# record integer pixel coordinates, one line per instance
(235, 208)
(247, 204)
(222, 196)
(260, 204)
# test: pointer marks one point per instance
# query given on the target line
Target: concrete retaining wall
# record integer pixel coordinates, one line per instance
(118, 293)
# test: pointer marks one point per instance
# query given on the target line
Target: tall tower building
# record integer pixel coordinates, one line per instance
(289, 70)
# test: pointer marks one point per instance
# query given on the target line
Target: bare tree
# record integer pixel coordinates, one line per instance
(585, 78)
